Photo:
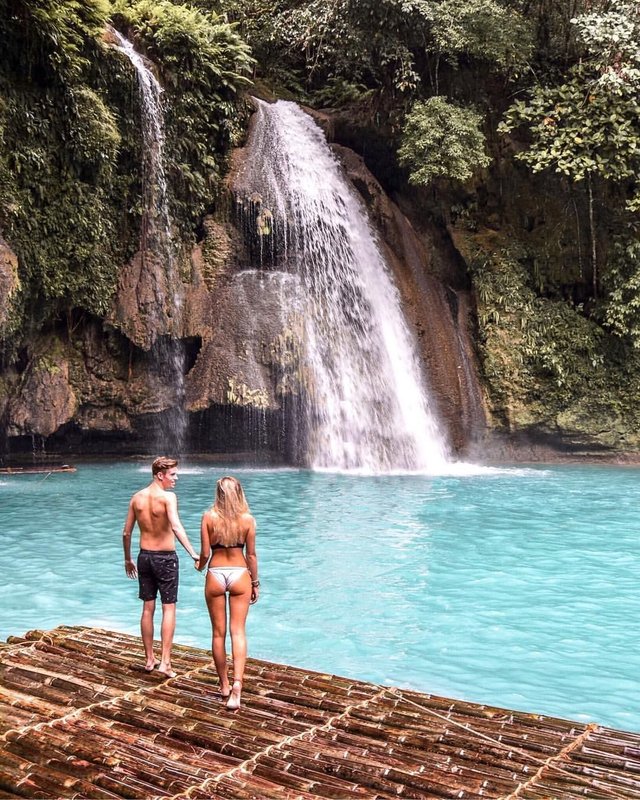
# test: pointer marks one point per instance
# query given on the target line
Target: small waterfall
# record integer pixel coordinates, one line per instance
(156, 224)
(156, 241)
(367, 407)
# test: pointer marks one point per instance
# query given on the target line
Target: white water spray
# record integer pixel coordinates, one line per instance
(367, 407)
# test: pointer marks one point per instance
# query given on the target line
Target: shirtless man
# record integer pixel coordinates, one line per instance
(155, 509)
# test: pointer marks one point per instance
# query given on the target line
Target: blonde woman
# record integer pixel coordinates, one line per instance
(228, 535)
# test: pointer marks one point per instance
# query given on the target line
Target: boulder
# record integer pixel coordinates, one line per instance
(45, 399)
(249, 356)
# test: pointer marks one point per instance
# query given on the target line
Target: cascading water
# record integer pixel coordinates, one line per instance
(156, 226)
(156, 239)
(367, 408)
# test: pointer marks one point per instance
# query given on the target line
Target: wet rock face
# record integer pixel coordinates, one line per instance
(99, 385)
(108, 391)
(45, 401)
(249, 357)
(9, 282)
(144, 306)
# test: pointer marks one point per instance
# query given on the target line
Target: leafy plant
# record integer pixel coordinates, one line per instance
(58, 156)
(622, 307)
(588, 127)
(440, 139)
(537, 354)
(70, 143)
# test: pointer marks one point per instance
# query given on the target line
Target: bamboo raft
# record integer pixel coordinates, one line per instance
(36, 470)
(80, 718)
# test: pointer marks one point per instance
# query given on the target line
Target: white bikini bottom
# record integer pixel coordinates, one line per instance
(227, 576)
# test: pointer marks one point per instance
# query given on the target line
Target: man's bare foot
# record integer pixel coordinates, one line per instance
(151, 665)
(233, 703)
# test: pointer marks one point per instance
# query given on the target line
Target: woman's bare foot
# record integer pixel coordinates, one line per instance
(225, 689)
(151, 665)
(165, 669)
(233, 703)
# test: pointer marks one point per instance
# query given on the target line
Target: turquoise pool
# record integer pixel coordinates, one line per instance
(515, 587)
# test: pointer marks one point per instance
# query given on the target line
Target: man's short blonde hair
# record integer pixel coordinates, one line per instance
(162, 464)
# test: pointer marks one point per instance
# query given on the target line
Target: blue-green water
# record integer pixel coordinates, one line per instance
(514, 587)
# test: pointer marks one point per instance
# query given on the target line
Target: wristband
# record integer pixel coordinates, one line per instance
(255, 583)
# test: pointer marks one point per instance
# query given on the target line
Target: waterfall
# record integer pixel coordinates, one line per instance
(156, 226)
(156, 240)
(366, 405)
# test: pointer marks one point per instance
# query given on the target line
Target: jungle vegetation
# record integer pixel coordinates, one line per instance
(515, 117)
(70, 139)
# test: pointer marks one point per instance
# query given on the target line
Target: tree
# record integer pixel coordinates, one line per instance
(588, 127)
(442, 139)
(392, 46)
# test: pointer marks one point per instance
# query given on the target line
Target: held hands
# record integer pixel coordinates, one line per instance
(130, 568)
(196, 563)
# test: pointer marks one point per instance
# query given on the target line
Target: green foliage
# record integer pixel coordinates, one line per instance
(555, 42)
(59, 149)
(550, 348)
(622, 307)
(50, 41)
(339, 92)
(94, 137)
(440, 139)
(483, 29)
(580, 128)
(539, 355)
(612, 38)
(587, 127)
(589, 124)
(391, 46)
(70, 142)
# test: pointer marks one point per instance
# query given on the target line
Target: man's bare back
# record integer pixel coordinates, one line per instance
(155, 510)
(153, 513)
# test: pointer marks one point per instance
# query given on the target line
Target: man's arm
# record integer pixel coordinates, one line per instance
(127, 530)
(177, 527)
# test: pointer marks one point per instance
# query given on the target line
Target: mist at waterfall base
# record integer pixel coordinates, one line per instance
(512, 587)
(364, 397)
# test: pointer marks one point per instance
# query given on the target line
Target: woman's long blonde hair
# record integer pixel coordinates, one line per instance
(229, 505)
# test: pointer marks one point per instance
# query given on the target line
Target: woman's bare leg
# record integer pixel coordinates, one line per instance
(216, 603)
(239, 601)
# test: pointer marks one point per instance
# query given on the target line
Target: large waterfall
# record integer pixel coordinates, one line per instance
(367, 405)
(158, 248)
